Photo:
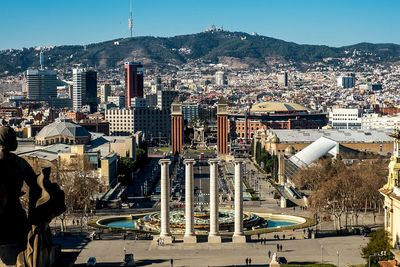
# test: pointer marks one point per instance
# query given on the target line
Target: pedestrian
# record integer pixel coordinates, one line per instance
(281, 248)
(269, 254)
(284, 236)
(247, 261)
(73, 222)
(277, 247)
(124, 236)
(172, 262)
(77, 222)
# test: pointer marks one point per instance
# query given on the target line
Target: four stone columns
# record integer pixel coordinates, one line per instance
(165, 232)
(189, 236)
(238, 235)
(213, 235)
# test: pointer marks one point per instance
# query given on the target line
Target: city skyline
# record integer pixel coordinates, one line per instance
(44, 22)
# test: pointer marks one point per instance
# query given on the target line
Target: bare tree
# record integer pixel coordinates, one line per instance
(80, 182)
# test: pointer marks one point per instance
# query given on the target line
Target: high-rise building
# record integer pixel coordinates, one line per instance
(220, 78)
(190, 111)
(41, 84)
(84, 89)
(283, 79)
(165, 98)
(348, 81)
(91, 90)
(105, 92)
(133, 81)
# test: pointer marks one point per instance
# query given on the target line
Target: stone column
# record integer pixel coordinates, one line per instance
(189, 236)
(238, 235)
(213, 235)
(165, 232)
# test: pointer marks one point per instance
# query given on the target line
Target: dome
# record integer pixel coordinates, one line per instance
(280, 107)
(62, 132)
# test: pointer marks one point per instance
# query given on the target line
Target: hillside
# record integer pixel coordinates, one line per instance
(177, 50)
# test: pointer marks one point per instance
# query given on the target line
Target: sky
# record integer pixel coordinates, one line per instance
(27, 23)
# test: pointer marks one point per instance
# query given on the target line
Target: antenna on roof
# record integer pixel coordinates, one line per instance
(41, 59)
(130, 20)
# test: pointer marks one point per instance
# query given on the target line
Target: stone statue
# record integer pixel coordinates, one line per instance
(25, 235)
(274, 261)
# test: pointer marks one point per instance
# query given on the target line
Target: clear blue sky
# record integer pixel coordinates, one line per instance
(26, 23)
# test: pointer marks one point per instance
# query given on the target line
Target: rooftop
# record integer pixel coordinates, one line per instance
(277, 107)
(338, 135)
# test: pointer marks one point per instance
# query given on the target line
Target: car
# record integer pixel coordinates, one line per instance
(91, 261)
(282, 260)
(128, 260)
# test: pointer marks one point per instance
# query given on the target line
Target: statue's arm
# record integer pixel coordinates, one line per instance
(30, 177)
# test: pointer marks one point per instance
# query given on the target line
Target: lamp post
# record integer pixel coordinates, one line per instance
(322, 255)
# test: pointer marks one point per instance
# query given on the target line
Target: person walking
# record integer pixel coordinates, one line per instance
(277, 247)
(247, 261)
(269, 253)
(281, 248)
(172, 262)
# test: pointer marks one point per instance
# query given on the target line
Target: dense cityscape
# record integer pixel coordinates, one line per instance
(219, 148)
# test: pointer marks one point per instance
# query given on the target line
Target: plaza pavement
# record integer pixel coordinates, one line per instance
(146, 253)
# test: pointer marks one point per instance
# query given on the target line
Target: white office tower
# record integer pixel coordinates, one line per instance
(220, 78)
(283, 80)
(348, 81)
(79, 89)
(105, 92)
(345, 118)
(41, 84)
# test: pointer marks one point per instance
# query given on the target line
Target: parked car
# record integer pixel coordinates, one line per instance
(91, 261)
(128, 260)
(282, 260)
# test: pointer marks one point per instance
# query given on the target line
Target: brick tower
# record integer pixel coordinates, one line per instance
(176, 128)
(222, 128)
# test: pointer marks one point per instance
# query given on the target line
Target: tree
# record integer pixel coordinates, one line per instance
(341, 189)
(79, 180)
(379, 241)
(125, 169)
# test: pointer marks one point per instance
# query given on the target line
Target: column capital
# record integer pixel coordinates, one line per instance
(214, 161)
(164, 162)
(189, 161)
(238, 161)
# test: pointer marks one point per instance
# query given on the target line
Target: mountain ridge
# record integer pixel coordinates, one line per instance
(209, 46)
